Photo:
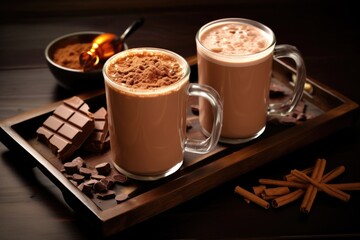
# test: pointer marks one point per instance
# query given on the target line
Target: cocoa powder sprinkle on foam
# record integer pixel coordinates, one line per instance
(145, 70)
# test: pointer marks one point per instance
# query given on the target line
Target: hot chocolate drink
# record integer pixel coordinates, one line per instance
(235, 57)
(147, 112)
(147, 91)
(243, 84)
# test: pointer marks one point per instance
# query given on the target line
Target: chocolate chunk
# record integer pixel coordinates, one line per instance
(108, 182)
(291, 118)
(77, 177)
(71, 167)
(80, 162)
(106, 195)
(96, 141)
(97, 176)
(90, 182)
(120, 178)
(121, 197)
(86, 172)
(86, 189)
(67, 128)
(99, 187)
(103, 168)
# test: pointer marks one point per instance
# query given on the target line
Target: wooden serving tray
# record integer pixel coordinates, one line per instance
(331, 111)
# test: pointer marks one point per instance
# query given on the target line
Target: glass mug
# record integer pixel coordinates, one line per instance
(147, 121)
(235, 57)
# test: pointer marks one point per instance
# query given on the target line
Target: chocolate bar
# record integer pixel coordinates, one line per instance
(98, 141)
(68, 128)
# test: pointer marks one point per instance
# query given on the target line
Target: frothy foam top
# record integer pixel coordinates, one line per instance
(235, 39)
(145, 70)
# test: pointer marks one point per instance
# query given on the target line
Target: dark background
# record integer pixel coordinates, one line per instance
(327, 34)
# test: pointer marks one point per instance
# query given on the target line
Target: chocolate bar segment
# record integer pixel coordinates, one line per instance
(68, 128)
(99, 139)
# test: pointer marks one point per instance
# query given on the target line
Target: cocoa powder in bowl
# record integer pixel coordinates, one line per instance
(68, 56)
(71, 78)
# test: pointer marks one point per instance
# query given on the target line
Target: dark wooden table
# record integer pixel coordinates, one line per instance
(326, 32)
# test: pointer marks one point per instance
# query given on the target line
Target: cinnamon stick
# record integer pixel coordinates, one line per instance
(289, 177)
(285, 199)
(268, 197)
(311, 191)
(346, 186)
(333, 174)
(310, 187)
(252, 197)
(258, 189)
(267, 181)
(324, 187)
(276, 191)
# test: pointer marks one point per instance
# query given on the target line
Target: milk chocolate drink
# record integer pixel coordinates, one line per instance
(235, 57)
(147, 91)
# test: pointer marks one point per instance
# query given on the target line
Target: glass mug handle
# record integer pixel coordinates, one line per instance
(207, 92)
(289, 51)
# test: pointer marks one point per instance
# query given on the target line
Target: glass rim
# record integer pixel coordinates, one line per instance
(254, 23)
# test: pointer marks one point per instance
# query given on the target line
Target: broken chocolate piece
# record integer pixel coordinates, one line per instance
(106, 195)
(100, 187)
(71, 167)
(86, 189)
(291, 118)
(86, 172)
(120, 178)
(107, 182)
(97, 139)
(97, 177)
(121, 197)
(90, 182)
(80, 162)
(68, 128)
(103, 168)
(77, 177)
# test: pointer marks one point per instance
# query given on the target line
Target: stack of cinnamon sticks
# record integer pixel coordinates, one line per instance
(306, 183)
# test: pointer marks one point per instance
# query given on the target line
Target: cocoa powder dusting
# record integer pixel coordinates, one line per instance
(68, 56)
(145, 70)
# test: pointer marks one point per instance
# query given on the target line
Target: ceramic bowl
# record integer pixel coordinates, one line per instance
(74, 79)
